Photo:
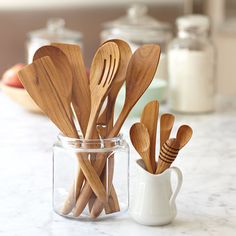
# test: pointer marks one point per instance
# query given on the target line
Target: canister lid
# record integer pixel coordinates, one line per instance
(55, 31)
(137, 18)
(193, 21)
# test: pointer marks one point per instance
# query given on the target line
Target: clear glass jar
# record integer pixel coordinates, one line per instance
(191, 66)
(138, 28)
(69, 190)
(55, 32)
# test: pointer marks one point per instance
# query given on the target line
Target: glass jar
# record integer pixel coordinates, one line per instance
(68, 187)
(54, 32)
(191, 66)
(138, 28)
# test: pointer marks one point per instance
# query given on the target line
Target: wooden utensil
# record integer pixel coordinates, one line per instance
(64, 68)
(106, 119)
(102, 73)
(140, 139)
(166, 125)
(168, 153)
(149, 118)
(184, 134)
(80, 90)
(141, 70)
(171, 147)
(107, 116)
(42, 82)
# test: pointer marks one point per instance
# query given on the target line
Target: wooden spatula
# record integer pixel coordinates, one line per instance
(140, 72)
(80, 89)
(149, 118)
(41, 80)
(67, 62)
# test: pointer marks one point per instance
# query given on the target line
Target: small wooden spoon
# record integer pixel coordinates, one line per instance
(80, 89)
(140, 72)
(42, 82)
(184, 134)
(140, 139)
(149, 118)
(166, 125)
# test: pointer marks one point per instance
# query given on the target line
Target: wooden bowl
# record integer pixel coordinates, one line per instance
(20, 96)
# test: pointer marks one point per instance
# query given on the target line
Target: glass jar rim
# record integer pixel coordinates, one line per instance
(93, 144)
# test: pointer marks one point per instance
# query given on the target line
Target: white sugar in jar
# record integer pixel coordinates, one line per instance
(191, 67)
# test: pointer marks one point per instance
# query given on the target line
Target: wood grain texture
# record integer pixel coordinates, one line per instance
(149, 118)
(80, 90)
(107, 119)
(140, 139)
(166, 125)
(41, 80)
(168, 153)
(184, 134)
(140, 72)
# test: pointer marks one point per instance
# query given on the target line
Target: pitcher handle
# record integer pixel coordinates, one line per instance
(179, 184)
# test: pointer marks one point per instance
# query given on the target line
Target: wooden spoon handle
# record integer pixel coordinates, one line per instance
(86, 191)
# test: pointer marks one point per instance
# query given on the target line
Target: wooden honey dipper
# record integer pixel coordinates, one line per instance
(171, 147)
(168, 153)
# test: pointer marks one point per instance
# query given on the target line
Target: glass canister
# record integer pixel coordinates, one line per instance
(191, 66)
(72, 195)
(54, 32)
(138, 28)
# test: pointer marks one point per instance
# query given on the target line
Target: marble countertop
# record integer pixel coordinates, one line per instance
(206, 203)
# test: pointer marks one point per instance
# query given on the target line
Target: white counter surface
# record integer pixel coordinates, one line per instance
(206, 203)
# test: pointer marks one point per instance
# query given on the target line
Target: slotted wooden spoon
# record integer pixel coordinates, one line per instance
(141, 70)
(106, 119)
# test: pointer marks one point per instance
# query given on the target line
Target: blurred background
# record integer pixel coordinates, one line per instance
(18, 18)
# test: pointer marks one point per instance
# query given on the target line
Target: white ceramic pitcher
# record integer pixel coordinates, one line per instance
(154, 201)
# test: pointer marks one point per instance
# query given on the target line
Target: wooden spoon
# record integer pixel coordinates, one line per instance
(168, 153)
(140, 73)
(102, 73)
(141, 70)
(149, 118)
(107, 116)
(171, 147)
(42, 82)
(140, 139)
(166, 125)
(80, 89)
(106, 119)
(184, 134)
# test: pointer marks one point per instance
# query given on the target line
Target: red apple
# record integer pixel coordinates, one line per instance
(11, 78)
